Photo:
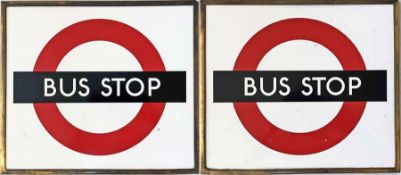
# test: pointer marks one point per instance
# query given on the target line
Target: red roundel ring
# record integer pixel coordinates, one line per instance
(309, 142)
(94, 143)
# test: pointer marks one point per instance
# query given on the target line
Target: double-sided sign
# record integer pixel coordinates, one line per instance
(112, 87)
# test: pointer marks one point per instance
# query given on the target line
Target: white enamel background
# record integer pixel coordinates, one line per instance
(370, 144)
(169, 146)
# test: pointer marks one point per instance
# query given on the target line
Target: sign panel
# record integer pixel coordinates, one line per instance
(310, 87)
(100, 86)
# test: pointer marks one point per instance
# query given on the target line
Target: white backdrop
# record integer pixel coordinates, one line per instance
(171, 143)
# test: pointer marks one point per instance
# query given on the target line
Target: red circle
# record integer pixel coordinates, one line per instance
(262, 129)
(94, 143)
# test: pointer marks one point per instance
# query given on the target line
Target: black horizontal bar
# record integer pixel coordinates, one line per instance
(230, 86)
(31, 87)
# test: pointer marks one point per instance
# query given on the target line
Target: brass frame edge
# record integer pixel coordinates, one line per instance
(197, 103)
(295, 2)
(3, 92)
(202, 83)
(397, 84)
